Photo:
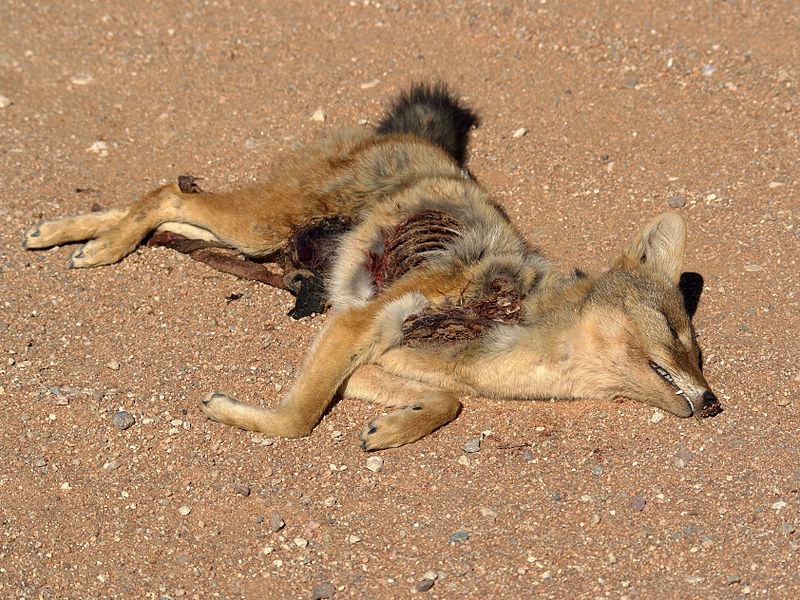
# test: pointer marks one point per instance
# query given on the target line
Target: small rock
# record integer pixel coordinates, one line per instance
(731, 579)
(319, 116)
(185, 510)
(474, 445)
(276, 522)
(113, 365)
(527, 456)
(682, 458)
(676, 201)
(708, 70)
(630, 83)
(464, 461)
(424, 585)
(638, 503)
(101, 149)
(122, 420)
(300, 542)
(779, 505)
(241, 488)
(488, 512)
(430, 575)
(458, 536)
(787, 529)
(353, 539)
(370, 84)
(774, 184)
(597, 470)
(594, 520)
(519, 132)
(4, 102)
(657, 417)
(374, 463)
(694, 579)
(753, 268)
(81, 80)
(323, 590)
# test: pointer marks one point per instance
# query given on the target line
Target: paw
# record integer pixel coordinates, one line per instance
(392, 430)
(95, 253)
(42, 235)
(216, 405)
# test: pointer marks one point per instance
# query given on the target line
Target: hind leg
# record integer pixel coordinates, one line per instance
(71, 229)
(251, 220)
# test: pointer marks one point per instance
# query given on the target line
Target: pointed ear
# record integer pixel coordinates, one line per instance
(659, 246)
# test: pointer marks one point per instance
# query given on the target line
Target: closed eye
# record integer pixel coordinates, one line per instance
(671, 328)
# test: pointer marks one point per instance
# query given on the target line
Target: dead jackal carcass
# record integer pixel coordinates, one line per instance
(433, 292)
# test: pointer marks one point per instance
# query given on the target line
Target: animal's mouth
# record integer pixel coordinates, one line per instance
(664, 374)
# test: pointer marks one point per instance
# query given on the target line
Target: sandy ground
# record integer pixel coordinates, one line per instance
(629, 110)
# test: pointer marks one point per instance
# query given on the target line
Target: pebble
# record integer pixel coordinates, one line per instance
(458, 536)
(81, 80)
(597, 470)
(682, 458)
(353, 539)
(731, 579)
(370, 84)
(113, 365)
(4, 102)
(101, 149)
(276, 522)
(323, 590)
(657, 417)
(241, 488)
(374, 463)
(630, 83)
(300, 542)
(694, 579)
(779, 505)
(319, 116)
(519, 132)
(676, 201)
(122, 420)
(787, 529)
(464, 461)
(473, 445)
(424, 585)
(638, 503)
(488, 512)
(185, 510)
(595, 519)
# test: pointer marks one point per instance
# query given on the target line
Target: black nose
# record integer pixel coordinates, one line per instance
(711, 405)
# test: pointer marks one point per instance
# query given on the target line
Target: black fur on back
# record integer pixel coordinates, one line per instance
(432, 113)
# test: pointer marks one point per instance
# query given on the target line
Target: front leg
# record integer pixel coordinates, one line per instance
(422, 408)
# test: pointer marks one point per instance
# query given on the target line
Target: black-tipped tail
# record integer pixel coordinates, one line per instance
(432, 113)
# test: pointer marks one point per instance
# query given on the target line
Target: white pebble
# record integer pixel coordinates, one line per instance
(319, 116)
(185, 510)
(100, 148)
(374, 463)
(4, 102)
(82, 80)
(657, 417)
(519, 132)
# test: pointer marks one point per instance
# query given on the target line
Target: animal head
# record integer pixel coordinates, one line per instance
(635, 323)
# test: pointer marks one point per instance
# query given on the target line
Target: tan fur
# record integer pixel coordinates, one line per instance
(578, 336)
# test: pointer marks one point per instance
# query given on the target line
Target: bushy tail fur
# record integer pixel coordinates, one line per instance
(432, 113)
